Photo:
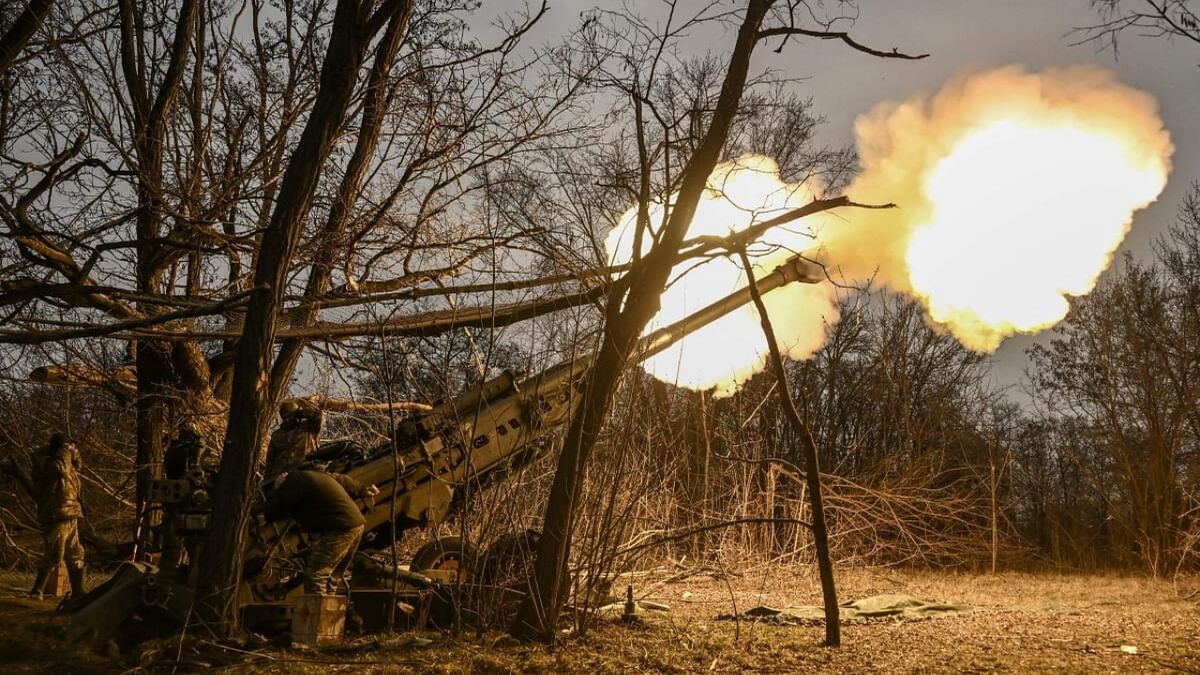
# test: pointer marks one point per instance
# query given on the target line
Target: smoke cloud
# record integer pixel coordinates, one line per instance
(726, 353)
(1013, 190)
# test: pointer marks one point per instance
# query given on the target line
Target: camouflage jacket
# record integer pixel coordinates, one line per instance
(288, 447)
(56, 484)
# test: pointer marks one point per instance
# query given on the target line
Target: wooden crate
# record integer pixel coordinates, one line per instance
(319, 619)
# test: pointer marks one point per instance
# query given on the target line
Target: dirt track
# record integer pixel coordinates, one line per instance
(1022, 623)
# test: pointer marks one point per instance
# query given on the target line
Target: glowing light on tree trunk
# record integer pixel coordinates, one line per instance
(727, 352)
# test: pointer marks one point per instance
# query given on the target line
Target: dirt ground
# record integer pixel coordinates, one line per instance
(1019, 623)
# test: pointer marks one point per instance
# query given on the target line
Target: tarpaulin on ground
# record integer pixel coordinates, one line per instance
(873, 607)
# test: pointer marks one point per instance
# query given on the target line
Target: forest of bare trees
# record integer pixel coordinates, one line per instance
(210, 207)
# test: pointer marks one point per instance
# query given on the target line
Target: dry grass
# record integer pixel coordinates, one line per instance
(1024, 623)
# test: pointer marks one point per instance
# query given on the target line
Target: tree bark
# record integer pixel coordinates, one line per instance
(370, 126)
(22, 28)
(155, 376)
(812, 464)
(626, 316)
(221, 562)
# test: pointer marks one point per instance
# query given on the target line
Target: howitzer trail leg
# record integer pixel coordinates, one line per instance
(114, 602)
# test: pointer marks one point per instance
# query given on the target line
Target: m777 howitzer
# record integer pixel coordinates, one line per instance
(435, 461)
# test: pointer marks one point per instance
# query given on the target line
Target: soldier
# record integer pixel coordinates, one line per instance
(55, 478)
(321, 503)
(296, 438)
(188, 457)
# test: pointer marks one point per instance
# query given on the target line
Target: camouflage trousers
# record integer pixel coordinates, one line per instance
(171, 549)
(329, 555)
(62, 543)
(176, 548)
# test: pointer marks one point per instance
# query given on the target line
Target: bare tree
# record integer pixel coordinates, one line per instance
(630, 306)
(812, 464)
(1121, 371)
(1170, 19)
(354, 28)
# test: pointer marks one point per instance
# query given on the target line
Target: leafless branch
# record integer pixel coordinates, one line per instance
(836, 35)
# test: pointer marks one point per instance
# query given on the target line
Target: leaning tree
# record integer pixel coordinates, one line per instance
(671, 163)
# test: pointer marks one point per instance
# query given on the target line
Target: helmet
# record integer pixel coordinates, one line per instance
(57, 441)
(188, 431)
(309, 417)
(288, 408)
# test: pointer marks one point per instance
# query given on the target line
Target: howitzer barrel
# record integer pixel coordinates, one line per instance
(471, 439)
(795, 269)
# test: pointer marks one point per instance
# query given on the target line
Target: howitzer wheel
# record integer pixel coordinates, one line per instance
(509, 559)
(504, 577)
(447, 554)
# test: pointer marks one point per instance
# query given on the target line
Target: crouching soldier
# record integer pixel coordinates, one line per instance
(55, 478)
(323, 505)
(297, 437)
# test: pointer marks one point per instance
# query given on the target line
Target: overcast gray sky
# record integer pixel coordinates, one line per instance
(974, 34)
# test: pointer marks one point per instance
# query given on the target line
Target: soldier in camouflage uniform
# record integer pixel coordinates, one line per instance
(56, 484)
(296, 438)
(186, 455)
(324, 507)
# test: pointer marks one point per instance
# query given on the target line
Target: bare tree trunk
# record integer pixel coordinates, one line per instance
(812, 465)
(150, 114)
(707, 436)
(995, 520)
(221, 562)
(626, 316)
(395, 446)
(371, 124)
(22, 28)
(539, 613)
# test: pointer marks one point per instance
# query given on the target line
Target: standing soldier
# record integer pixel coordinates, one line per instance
(187, 458)
(55, 474)
(296, 438)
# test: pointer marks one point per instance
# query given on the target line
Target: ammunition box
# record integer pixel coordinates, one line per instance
(319, 619)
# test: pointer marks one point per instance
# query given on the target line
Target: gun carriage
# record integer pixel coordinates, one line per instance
(433, 464)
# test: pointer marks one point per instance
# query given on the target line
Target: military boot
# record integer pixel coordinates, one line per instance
(39, 583)
(75, 574)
